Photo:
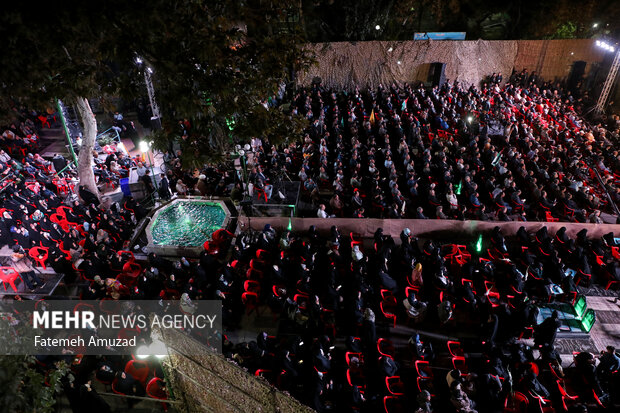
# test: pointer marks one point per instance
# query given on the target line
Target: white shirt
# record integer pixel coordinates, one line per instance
(321, 213)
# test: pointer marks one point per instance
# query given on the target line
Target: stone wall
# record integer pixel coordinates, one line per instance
(439, 229)
(370, 63)
(208, 383)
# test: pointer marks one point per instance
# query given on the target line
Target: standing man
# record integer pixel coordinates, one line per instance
(23, 265)
(164, 187)
(148, 182)
(545, 332)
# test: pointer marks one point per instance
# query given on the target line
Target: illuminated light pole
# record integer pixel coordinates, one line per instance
(241, 154)
(611, 76)
(145, 149)
(148, 72)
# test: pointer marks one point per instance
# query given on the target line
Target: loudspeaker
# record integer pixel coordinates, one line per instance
(436, 74)
(576, 73)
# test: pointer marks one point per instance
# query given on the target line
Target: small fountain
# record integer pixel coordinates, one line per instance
(181, 227)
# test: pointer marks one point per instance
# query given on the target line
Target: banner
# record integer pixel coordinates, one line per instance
(106, 327)
(439, 36)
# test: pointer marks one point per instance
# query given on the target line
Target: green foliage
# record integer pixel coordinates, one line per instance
(232, 54)
(23, 387)
(355, 20)
(566, 30)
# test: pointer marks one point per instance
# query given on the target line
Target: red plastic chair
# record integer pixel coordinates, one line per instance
(60, 220)
(122, 253)
(114, 384)
(156, 388)
(63, 209)
(262, 255)
(61, 186)
(385, 347)
(392, 404)
(138, 369)
(409, 290)
(39, 255)
(250, 300)
(131, 272)
(460, 364)
(550, 218)
(263, 373)
(301, 300)
(386, 294)
(388, 308)
(564, 393)
(261, 193)
(8, 275)
(348, 356)
(544, 404)
(517, 403)
(455, 349)
(355, 377)
(44, 121)
(251, 286)
(395, 386)
(492, 293)
(425, 375)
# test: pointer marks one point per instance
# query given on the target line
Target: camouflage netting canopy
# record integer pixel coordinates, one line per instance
(344, 65)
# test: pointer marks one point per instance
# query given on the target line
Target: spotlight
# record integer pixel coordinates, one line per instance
(377, 27)
(598, 42)
(470, 118)
(144, 146)
(398, 62)
(139, 60)
(158, 349)
(150, 70)
(142, 352)
(612, 49)
(595, 25)
(390, 49)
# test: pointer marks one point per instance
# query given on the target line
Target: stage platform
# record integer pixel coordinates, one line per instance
(51, 279)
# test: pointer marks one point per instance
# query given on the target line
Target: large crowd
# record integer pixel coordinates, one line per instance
(519, 151)
(338, 299)
(342, 304)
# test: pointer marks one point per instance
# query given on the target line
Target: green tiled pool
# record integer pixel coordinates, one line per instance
(187, 223)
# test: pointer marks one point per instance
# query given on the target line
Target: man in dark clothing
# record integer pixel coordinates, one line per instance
(59, 162)
(88, 196)
(148, 182)
(164, 187)
(546, 331)
(128, 385)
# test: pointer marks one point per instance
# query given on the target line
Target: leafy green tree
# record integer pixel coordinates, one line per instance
(26, 390)
(213, 62)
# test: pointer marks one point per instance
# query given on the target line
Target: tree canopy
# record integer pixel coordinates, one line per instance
(213, 62)
(355, 20)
